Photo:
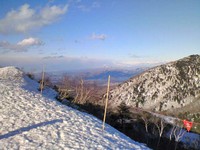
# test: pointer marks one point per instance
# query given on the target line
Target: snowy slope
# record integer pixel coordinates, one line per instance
(29, 120)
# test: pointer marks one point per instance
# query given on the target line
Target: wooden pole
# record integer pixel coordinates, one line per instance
(42, 82)
(106, 104)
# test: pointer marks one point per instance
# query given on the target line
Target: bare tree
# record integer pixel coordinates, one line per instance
(65, 88)
(160, 125)
(145, 118)
(174, 126)
(82, 93)
(77, 90)
(171, 132)
(178, 134)
(67, 82)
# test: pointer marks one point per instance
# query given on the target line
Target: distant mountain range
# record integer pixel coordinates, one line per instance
(117, 75)
(169, 86)
(98, 75)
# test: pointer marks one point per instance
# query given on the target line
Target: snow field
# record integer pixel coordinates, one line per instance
(29, 120)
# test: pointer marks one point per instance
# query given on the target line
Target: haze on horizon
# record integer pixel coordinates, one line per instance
(86, 34)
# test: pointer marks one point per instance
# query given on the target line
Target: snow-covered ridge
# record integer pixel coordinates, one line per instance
(10, 73)
(165, 87)
(29, 120)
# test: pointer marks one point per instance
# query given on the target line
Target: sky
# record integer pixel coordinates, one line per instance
(86, 34)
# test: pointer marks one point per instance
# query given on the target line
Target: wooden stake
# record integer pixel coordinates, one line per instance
(42, 82)
(106, 104)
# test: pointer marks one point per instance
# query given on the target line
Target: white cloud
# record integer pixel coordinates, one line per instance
(26, 18)
(87, 8)
(20, 46)
(30, 42)
(49, 14)
(98, 36)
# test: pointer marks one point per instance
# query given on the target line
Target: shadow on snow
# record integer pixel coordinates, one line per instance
(28, 128)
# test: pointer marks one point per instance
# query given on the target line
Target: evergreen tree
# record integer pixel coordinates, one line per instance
(124, 113)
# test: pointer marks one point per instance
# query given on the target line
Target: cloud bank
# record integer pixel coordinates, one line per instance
(54, 57)
(25, 18)
(21, 46)
(58, 63)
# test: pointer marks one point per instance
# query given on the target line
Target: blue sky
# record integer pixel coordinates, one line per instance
(82, 34)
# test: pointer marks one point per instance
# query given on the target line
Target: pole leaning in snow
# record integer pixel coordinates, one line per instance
(42, 81)
(106, 104)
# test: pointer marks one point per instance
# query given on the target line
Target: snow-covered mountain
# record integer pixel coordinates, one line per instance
(29, 120)
(172, 85)
(118, 75)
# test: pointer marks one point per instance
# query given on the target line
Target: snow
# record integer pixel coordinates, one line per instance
(29, 120)
(189, 139)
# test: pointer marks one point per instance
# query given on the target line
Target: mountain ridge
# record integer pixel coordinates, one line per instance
(164, 87)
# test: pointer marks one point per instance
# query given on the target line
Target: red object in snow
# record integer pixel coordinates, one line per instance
(187, 124)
